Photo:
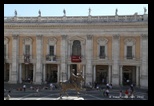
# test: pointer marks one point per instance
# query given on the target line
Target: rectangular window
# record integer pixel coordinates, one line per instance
(129, 52)
(27, 49)
(102, 51)
(51, 50)
(4, 50)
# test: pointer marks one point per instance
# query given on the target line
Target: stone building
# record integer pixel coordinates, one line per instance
(113, 48)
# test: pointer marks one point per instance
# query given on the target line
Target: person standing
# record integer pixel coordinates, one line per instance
(24, 87)
(120, 94)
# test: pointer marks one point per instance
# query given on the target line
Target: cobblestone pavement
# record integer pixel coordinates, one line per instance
(91, 94)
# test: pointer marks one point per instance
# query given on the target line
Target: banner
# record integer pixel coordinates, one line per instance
(76, 58)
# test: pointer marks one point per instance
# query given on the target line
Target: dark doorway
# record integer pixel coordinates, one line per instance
(74, 66)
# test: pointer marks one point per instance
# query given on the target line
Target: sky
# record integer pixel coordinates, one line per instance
(73, 9)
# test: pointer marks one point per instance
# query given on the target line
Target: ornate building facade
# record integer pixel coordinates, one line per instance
(113, 48)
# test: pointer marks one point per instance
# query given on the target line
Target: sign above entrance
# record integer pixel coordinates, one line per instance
(76, 58)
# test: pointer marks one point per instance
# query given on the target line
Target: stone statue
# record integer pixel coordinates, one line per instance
(15, 13)
(89, 11)
(116, 12)
(64, 12)
(39, 13)
(145, 10)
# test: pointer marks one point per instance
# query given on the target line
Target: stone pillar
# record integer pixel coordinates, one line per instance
(38, 78)
(63, 58)
(34, 72)
(144, 62)
(115, 59)
(58, 73)
(89, 51)
(20, 73)
(94, 73)
(137, 76)
(121, 75)
(4, 71)
(44, 72)
(109, 73)
(68, 73)
(10, 70)
(14, 73)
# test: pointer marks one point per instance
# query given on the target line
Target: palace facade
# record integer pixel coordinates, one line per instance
(46, 49)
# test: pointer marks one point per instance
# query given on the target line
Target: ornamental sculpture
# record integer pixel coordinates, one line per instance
(73, 83)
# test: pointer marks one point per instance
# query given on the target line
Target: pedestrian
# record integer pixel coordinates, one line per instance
(110, 86)
(8, 97)
(107, 92)
(37, 91)
(120, 94)
(103, 81)
(107, 85)
(104, 92)
(24, 87)
(126, 94)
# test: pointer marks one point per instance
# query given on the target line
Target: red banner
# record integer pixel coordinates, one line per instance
(76, 58)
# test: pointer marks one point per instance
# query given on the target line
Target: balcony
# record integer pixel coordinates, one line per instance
(51, 58)
(26, 58)
(130, 57)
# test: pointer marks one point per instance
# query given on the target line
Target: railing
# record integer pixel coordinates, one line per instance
(51, 58)
(76, 19)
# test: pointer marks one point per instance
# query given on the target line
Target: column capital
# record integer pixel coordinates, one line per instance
(144, 36)
(15, 36)
(89, 37)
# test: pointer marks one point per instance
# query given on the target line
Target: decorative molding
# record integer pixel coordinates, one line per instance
(89, 37)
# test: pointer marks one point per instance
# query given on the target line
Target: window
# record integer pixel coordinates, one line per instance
(27, 49)
(129, 52)
(76, 48)
(51, 50)
(102, 52)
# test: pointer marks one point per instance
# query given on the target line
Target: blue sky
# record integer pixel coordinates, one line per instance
(73, 9)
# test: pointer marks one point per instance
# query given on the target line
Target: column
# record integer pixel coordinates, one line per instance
(89, 51)
(38, 78)
(137, 75)
(144, 62)
(20, 73)
(94, 73)
(14, 73)
(58, 73)
(68, 73)
(121, 75)
(63, 58)
(10, 70)
(34, 72)
(115, 59)
(109, 73)
(4, 71)
(44, 72)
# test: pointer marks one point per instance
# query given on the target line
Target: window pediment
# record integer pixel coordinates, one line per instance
(27, 40)
(52, 41)
(130, 41)
(102, 41)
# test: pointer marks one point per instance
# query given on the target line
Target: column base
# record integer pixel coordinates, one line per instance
(115, 80)
(144, 82)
